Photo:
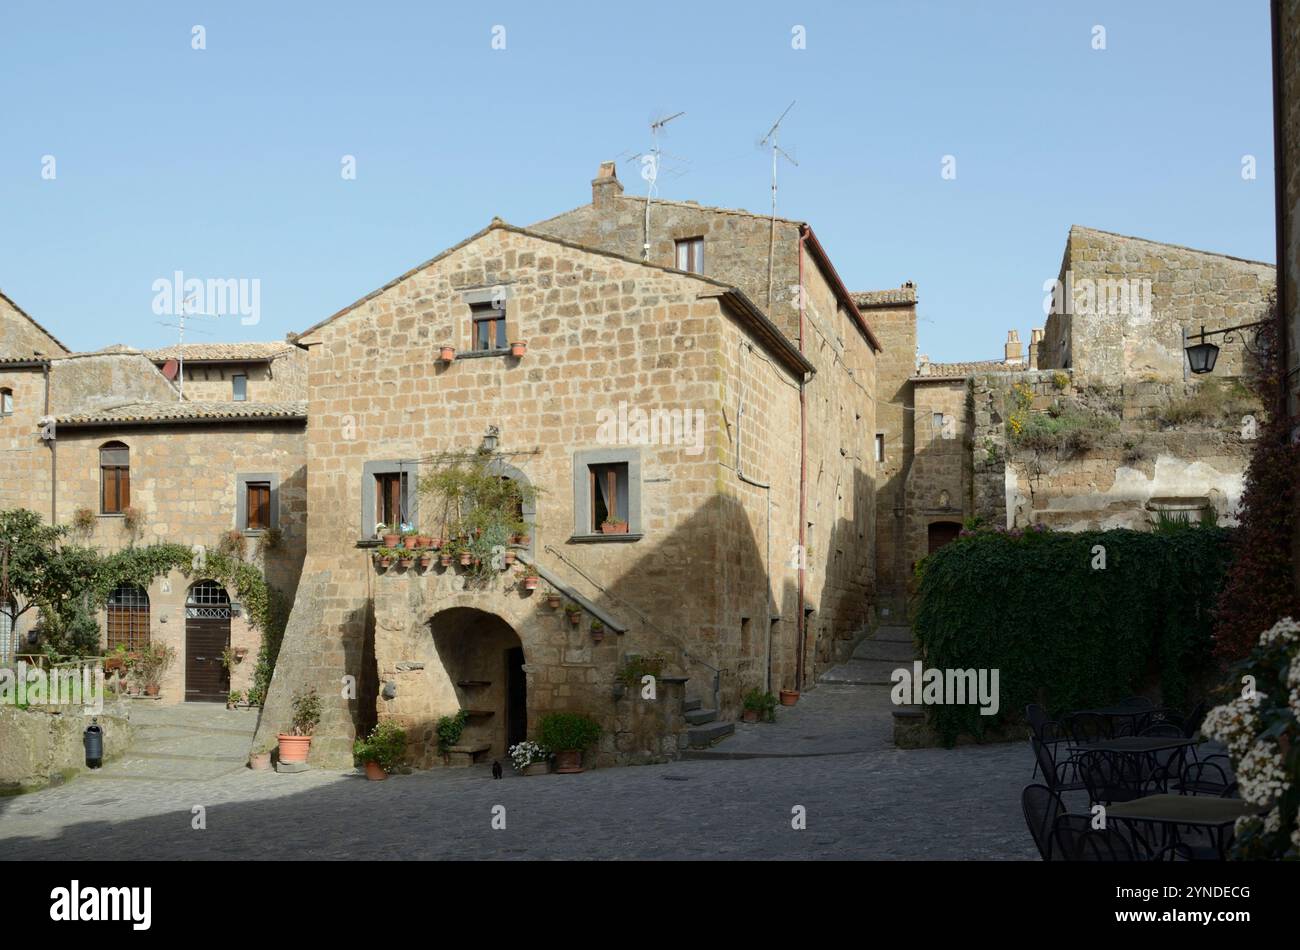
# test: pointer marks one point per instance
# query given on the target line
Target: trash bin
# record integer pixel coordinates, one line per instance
(93, 740)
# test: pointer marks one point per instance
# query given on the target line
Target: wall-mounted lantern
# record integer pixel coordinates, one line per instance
(1201, 356)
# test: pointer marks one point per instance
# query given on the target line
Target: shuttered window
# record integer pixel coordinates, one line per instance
(114, 478)
(258, 506)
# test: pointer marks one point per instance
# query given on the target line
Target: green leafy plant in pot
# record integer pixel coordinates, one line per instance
(759, 705)
(382, 750)
(569, 735)
(295, 745)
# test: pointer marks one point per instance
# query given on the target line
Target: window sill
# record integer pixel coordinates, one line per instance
(626, 538)
(369, 542)
(111, 514)
(482, 354)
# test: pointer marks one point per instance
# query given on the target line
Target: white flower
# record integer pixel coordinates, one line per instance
(1234, 724)
(526, 753)
(1261, 774)
(1285, 630)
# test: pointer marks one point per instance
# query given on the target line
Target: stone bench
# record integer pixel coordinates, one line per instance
(464, 755)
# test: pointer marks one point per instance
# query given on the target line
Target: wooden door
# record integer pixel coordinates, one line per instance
(205, 676)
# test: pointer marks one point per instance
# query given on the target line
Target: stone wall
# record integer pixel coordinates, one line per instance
(283, 379)
(22, 337)
(1131, 469)
(43, 746)
(24, 459)
(602, 332)
(893, 317)
(89, 381)
(1131, 299)
(939, 483)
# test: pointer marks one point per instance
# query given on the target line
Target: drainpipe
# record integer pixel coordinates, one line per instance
(803, 477)
(740, 473)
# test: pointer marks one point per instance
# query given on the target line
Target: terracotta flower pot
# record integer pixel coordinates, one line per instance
(424, 541)
(411, 542)
(575, 616)
(750, 715)
(613, 528)
(521, 540)
(447, 353)
(444, 560)
(508, 558)
(406, 561)
(259, 761)
(568, 761)
(425, 562)
(531, 582)
(436, 543)
(294, 748)
(466, 559)
(518, 349)
(598, 634)
(375, 772)
(392, 540)
(553, 601)
(151, 690)
(789, 697)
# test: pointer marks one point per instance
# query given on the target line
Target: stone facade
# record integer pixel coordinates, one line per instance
(185, 461)
(1125, 303)
(605, 334)
(271, 372)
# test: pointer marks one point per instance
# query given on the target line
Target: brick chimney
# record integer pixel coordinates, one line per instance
(605, 187)
(1035, 341)
(1013, 351)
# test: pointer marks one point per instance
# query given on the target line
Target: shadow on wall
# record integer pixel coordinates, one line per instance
(698, 593)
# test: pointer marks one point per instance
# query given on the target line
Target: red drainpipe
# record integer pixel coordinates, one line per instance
(803, 480)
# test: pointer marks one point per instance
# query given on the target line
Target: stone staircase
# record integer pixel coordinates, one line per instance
(705, 728)
(872, 665)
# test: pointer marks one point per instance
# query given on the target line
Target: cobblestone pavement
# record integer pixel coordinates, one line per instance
(931, 803)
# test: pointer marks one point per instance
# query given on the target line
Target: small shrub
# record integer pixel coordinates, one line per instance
(83, 521)
(385, 746)
(761, 702)
(1210, 402)
(566, 731)
(630, 673)
(306, 712)
(231, 545)
(449, 730)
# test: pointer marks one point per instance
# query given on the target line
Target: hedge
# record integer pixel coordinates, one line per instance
(1060, 631)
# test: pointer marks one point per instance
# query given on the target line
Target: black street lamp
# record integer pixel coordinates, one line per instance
(1202, 356)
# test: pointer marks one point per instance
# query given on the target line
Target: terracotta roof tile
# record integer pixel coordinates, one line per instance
(145, 413)
(221, 352)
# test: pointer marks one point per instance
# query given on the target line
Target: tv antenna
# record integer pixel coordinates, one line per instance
(180, 343)
(650, 167)
(772, 137)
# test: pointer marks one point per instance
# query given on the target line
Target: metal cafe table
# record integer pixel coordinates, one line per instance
(1113, 713)
(1215, 815)
(1139, 745)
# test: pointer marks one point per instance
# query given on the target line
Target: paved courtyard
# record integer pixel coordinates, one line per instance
(870, 802)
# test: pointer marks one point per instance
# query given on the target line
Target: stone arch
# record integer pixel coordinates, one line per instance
(506, 470)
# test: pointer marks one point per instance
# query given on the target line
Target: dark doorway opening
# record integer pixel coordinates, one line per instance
(943, 532)
(516, 697)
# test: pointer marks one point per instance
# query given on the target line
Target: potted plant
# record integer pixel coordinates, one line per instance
(553, 600)
(521, 539)
(518, 348)
(569, 734)
(83, 521)
(445, 558)
(574, 613)
(597, 630)
(269, 540)
(426, 559)
(231, 544)
(446, 353)
(759, 705)
(531, 580)
(234, 698)
(410, 539)
(789, 697)
(259, 761)
(508, 558)
(530, 758)
(384, 559)
(638, 666)
(295, 745)
(466, 557)
(382, 750)
(406, 558)
(153, 663)
(448, 730)
(131, 519)
(391, 536)
(613, 526)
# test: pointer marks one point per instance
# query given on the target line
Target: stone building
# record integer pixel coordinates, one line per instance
(746, 562)
(105, 441)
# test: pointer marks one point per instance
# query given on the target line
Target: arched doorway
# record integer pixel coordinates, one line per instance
(207, 634)
(941, 533)
(484, 660)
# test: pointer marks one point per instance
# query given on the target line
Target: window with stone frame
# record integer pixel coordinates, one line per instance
(114, 478)
(390, 498)
(690, 255)
(607, 488)
(488, 327)
(608, 494)
(257, 506)
(6, 402)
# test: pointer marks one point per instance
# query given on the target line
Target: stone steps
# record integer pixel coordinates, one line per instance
(698, 717)
(703, 736)
(862, 673)
(892, 651)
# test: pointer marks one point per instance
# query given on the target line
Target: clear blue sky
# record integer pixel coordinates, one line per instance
(225, 162)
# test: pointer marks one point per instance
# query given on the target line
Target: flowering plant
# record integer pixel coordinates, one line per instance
(1261, 729)
(526, 753)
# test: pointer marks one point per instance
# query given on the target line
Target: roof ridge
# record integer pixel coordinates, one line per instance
(1180, 247)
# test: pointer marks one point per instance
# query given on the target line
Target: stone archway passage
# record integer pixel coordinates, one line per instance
(483, 659)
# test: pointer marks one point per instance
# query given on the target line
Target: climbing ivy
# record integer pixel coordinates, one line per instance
(1063, 630)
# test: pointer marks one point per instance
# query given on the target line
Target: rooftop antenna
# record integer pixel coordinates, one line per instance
(772, 136)
(650, 172)
(180, 343)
